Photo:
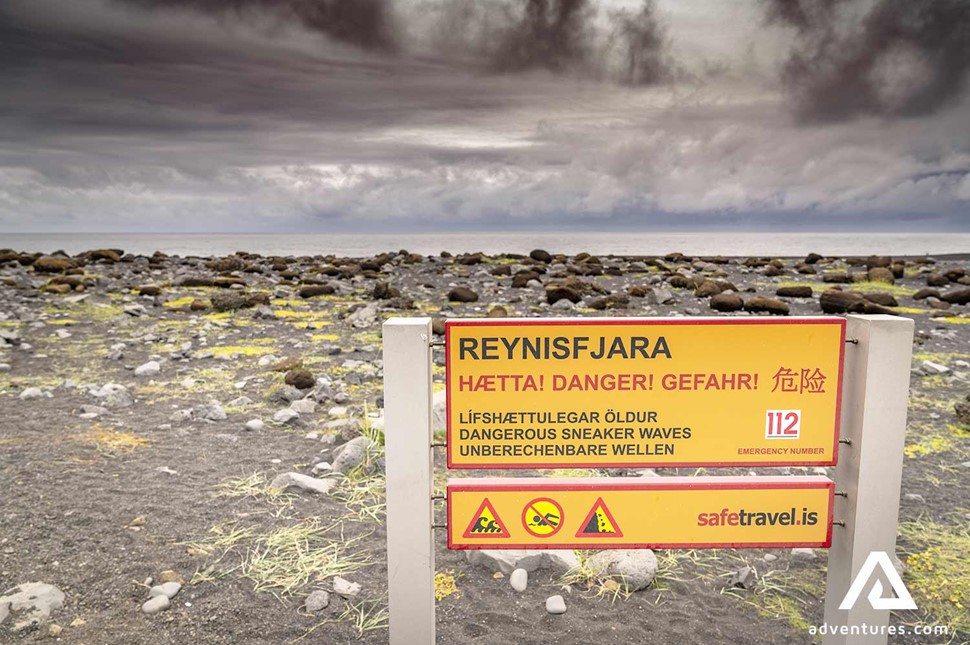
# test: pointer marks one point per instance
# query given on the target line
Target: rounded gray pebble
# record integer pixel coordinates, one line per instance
(519, 580)
(156, 604)
(555, 605)
(167, 589)
(317, 600)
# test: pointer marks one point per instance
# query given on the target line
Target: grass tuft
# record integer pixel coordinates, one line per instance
(594, 581)
(937, 573)
(364, 616)
(365, 497)
(284, 560)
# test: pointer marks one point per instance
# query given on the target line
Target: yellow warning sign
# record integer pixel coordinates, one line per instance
(656, 512)
(643, 392)
(485, 523)
(599, 522)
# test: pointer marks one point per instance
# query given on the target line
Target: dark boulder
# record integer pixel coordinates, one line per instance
(105, 255)
(462, 294)
(881, 274)
(194, 281)
(384, 291)
(522, 278)
(226, 282)
(878, 261)
(230, 301)
(615, 301)
(956, 297)
(762, 305)
(835, 277)
(555, 293)
(726, 301)
(922, 294)
(881, 298)
(52, 264)
(300, 379)
(802, 291)
(708, 288)
(314, 290)
(840, 302)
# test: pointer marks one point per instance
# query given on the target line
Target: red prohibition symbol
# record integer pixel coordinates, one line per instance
(542, 517)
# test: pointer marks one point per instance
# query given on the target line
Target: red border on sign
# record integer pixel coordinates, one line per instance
(592, 512)
(486, 504)
(638, 483)
(702, 321)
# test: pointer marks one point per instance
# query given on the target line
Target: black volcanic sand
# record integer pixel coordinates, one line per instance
(96, 505)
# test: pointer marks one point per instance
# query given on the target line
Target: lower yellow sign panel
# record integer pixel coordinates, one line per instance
(635, 513)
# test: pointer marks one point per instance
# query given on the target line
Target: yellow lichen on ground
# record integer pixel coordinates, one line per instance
(445, 585)
(940, 357)
(241, 350)
(928, 446)
(881, 287)
(180, 302)
(937, 574)
(912, 310)
(112, 440)
(220, 316)
(294, 313)
(287, 302)
(313, 324)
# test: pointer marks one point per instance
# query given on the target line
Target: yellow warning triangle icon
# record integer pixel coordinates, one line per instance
(486, 523)
(599, 522)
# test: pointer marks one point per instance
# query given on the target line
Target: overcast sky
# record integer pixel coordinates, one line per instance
(357, 115)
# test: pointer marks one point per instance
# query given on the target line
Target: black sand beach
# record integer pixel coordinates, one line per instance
(149, 403)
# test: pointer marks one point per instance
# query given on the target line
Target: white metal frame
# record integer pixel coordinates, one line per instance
(409, 465)
(875, 396)
(869, 472)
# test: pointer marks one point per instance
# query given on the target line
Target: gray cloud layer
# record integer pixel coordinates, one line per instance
(259, 115)
(899, 58)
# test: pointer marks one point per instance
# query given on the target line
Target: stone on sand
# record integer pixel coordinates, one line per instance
(304, 482)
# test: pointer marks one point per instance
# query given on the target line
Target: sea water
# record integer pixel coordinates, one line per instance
(732, 243)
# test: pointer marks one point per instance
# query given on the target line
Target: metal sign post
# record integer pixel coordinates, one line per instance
(870, 468)
(407, 449)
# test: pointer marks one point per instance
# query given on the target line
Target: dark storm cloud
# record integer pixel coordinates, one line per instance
(130, 114)
(553, 34)
(498, 35)
(365, 23)
(894, 58)
(642, 45)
